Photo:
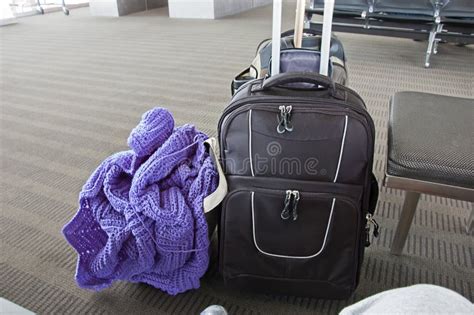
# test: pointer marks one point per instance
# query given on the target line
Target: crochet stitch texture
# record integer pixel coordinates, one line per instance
(141, 215)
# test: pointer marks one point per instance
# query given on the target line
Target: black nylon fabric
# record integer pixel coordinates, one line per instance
(308, 42)
(271, 240)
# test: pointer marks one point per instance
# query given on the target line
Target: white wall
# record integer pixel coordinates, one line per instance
(122, 7)
(6, 15)
(198, 9)
(104, 7)
(211, 9)
(230, 7)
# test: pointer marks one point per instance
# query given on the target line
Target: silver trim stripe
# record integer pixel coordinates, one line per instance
(250, 143)
(341, 150)
(252, 197)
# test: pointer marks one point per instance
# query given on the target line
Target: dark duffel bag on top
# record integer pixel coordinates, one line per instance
(297, 150)
(294, 59)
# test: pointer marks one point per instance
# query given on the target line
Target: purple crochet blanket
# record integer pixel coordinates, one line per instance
(141, 215)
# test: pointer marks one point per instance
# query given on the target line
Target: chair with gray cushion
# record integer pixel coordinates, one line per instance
(430, 151)
(431, 20)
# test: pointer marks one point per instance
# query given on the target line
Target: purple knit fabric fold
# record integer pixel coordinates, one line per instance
(141, 216)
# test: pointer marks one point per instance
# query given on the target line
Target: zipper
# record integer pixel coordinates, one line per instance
(278, 192)
(291, 205)
(245, 104)
(240, 106)
(284, 119)
(254, 98)
(275, 108)
(296, 198)
(265, 99)
(288, 194)
(222, 130)
(285, 214)
(279, 109)
(370, 221)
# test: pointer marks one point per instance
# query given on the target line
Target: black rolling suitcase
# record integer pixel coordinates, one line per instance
(297, 150)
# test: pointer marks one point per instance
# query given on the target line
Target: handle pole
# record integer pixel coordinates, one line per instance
(326, 37)
(299, 23)
(276, 36)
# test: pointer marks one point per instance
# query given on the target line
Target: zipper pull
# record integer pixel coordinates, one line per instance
(376, 227)
(281, 119)
(285, 214)
(370, 220)
(367, 234)
(296, 198)
(288, 124)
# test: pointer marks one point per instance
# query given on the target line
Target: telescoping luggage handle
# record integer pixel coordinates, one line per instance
(326, 33)
(326, 36)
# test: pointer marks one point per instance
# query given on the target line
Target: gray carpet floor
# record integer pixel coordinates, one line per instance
(73, 87)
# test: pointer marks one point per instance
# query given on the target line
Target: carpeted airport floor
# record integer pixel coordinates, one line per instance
(73, 87)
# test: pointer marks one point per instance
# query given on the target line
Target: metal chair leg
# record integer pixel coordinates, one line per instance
(433, 43)
(65, 9)
(39, 8)
(404, 223)
(470, 223)
(439, 29)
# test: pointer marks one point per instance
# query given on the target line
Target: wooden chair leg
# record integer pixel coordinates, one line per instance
(403, 226)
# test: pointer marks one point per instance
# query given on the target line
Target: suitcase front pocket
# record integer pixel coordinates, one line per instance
(312, 150)
(275, 234)
(290, 224)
